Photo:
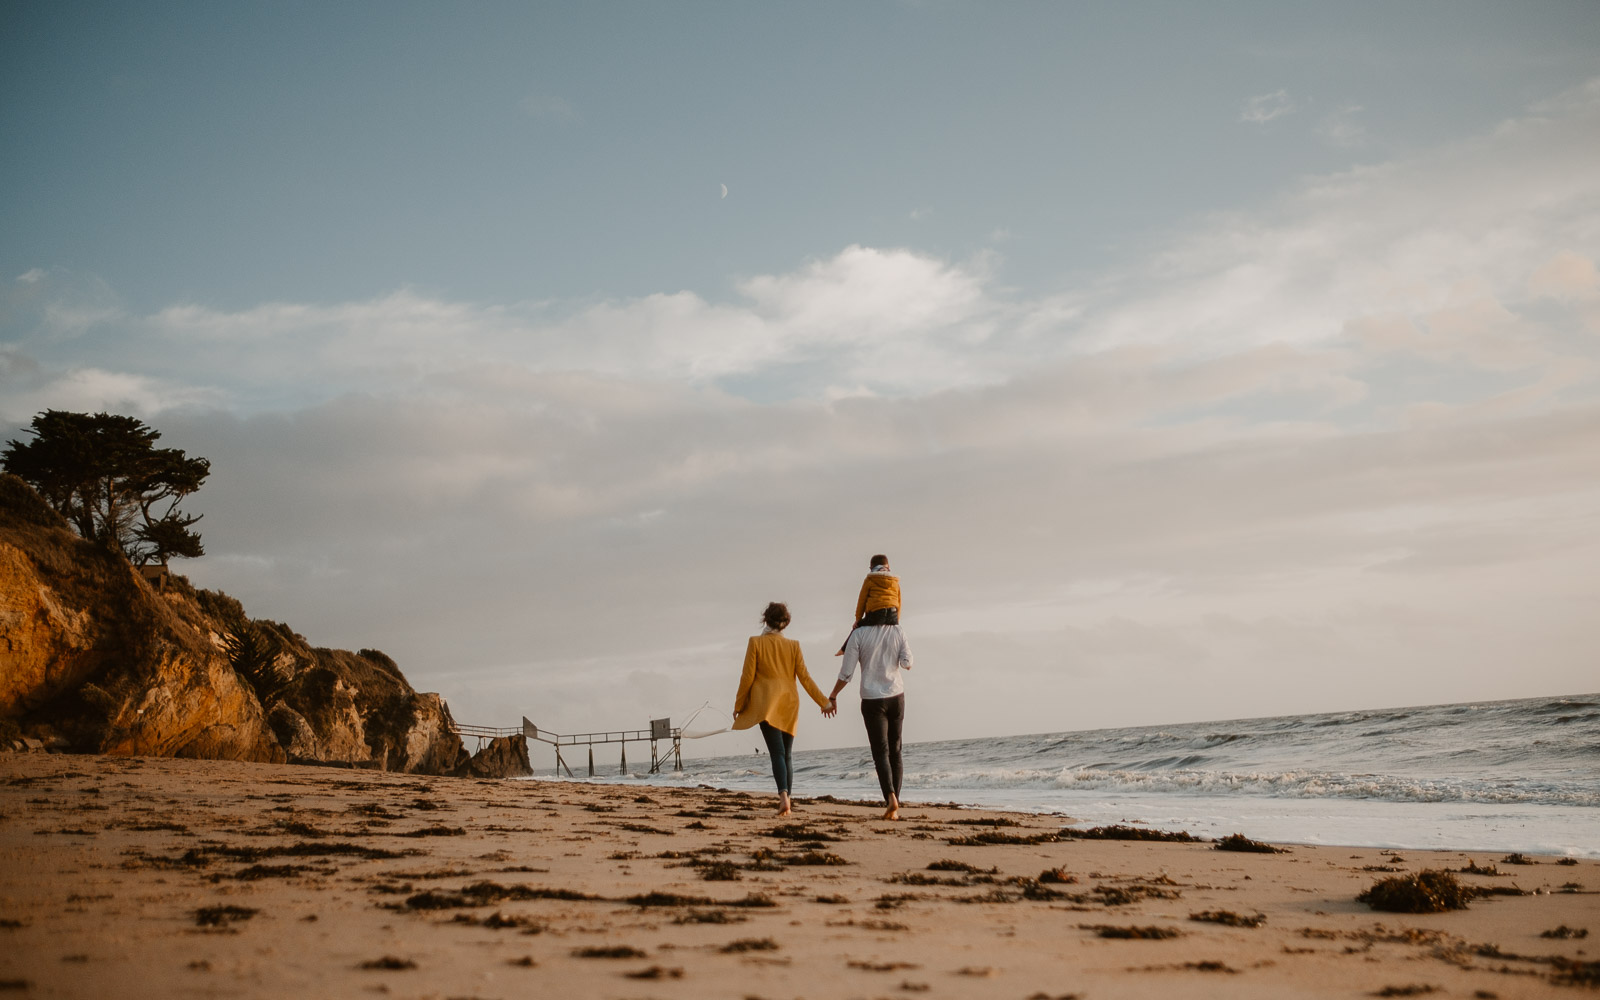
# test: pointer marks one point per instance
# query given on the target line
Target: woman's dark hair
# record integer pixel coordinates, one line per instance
(776, 616)
(878, 560)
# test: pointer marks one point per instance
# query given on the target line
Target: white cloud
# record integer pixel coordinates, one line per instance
(1264, 108)
(1343, 128)
(32, 276)
(27, 388)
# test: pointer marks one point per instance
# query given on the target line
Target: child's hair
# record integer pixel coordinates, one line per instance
(879, 560)
(776, 616)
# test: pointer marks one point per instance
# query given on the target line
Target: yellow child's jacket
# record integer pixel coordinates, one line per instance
(878, 590)
(767, 692)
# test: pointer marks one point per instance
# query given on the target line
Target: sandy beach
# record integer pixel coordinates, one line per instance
(143, 877)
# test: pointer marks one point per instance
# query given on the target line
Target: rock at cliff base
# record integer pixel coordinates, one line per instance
(504, 757)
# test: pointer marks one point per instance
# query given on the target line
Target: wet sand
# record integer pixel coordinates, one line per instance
(140, 877)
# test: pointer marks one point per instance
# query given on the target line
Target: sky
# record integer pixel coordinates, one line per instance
(1188, 361)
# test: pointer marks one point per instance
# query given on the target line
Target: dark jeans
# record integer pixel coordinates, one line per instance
(780, 747)
(883, 717)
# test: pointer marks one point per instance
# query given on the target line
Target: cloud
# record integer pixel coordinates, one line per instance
(549, 108)
(1342, 128)
(1264, 108)
(32, 276)
(1568, 277)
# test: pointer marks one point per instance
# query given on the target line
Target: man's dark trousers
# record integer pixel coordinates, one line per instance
(883, 717)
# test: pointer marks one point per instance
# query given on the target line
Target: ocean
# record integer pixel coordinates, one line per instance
(1488, 776)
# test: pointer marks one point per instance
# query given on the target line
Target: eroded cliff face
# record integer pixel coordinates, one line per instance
(93, 660)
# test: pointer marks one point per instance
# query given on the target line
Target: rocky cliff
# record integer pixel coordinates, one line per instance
(93, 660)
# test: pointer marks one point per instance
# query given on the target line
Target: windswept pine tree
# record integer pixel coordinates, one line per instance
(104, 474)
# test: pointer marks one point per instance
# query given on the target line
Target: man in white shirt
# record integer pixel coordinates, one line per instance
(882, 653)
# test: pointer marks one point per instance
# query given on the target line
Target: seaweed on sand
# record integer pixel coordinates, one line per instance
(719, 871)
(946, 865)
(749, 944)
(222, 916)
(710, 917)
(257, 872)
(1120, 832)
(608, 951)
(650, 899)
(1517, 858)
(1228, 918)
(1427, 891)
(989, 839)
(527, 925)
(389, 963)
(198, 856)
(812, 859)
(1239, 842)
(918, 878)
(800, 831)
(1573, 972)
(1122, 895)
(1152, 933)
(486, 894)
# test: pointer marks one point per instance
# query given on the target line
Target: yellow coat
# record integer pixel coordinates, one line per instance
(767, 692)
(878, 590)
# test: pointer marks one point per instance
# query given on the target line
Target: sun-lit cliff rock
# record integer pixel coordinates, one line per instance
(93, 660)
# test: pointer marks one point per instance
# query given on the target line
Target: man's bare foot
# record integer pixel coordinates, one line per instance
(893, 812)
(783, 805)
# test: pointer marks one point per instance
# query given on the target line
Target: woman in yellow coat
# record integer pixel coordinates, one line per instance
(767, 695)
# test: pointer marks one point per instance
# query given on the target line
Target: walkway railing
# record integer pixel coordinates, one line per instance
(660, 729)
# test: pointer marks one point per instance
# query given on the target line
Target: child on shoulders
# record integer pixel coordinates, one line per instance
(879, 600)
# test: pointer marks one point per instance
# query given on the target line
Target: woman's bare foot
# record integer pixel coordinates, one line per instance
(783, 804)
(893, 811)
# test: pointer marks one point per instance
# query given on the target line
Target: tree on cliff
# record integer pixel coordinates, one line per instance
(103, 473)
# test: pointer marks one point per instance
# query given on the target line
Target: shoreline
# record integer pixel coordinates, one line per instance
(1270, 817)
(117, 875)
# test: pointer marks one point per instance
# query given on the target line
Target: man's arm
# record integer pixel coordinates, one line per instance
(847, 668)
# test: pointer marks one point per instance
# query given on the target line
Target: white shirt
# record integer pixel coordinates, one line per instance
(882, 652)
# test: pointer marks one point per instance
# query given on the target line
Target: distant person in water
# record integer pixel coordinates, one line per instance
(879, 600)
(882, 653)
(767, 696)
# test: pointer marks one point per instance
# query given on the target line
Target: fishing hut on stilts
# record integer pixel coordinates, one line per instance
(660, 730)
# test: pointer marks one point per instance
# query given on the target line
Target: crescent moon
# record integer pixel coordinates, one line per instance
(724, 190)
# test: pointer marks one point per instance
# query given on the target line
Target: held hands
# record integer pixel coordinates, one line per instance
(832, 709)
